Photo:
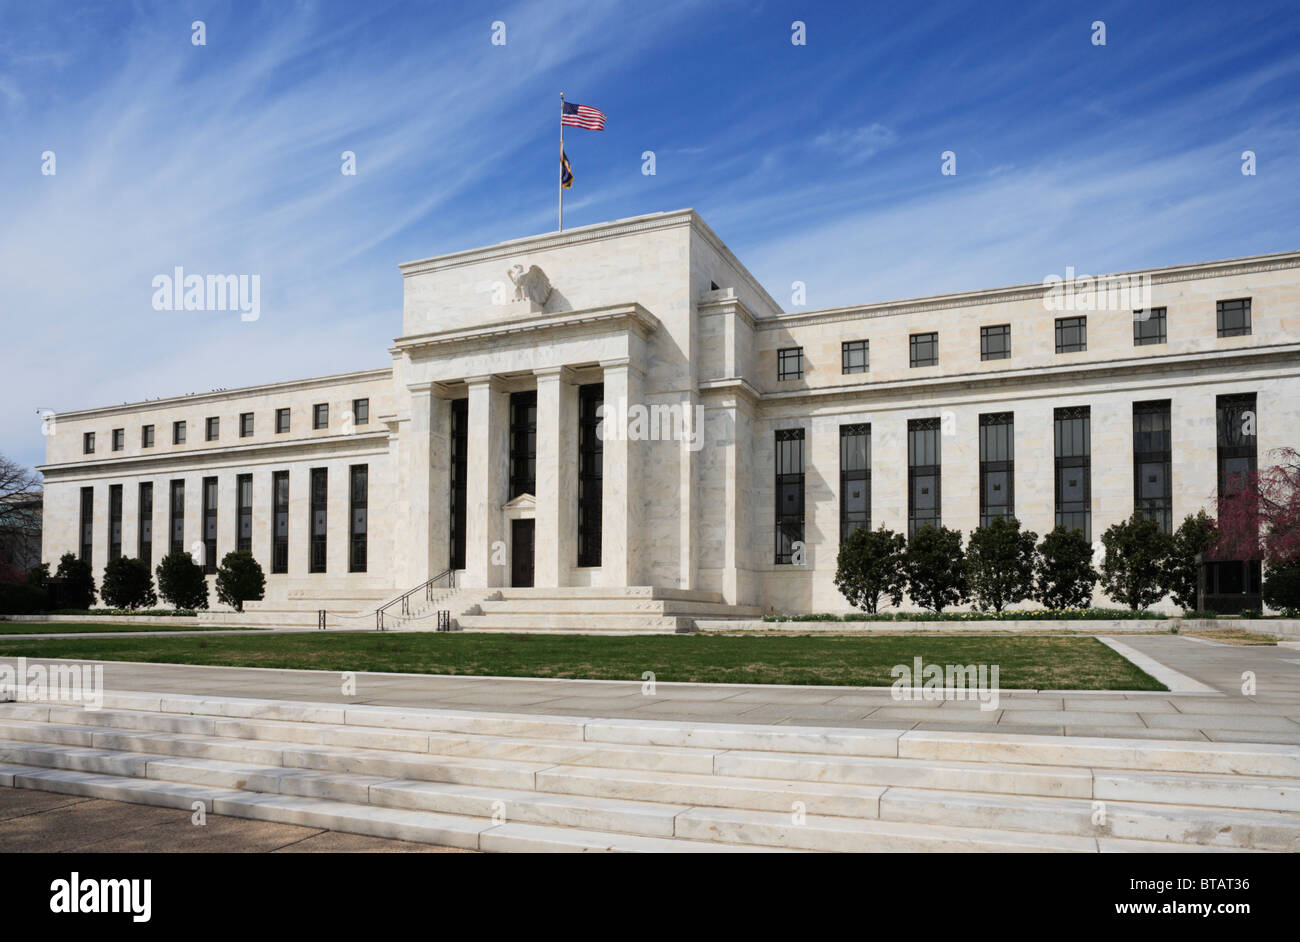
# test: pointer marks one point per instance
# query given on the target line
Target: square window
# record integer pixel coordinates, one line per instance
(1149, 326)
(995, 342)
(360, 411)
(1234, 317)
(789, 363)
(1071, 334)
(281, 421)
(854, 356)
(320, 415)
(245, 425)
(924, 349)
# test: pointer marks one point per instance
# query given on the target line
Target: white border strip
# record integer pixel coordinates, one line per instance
(1176, 682)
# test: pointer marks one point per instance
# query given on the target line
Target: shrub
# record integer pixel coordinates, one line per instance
(936, 568)
(181, 581)
(1194, 535)
(127, 584)
(1064, 577)
(239, 579)
(870, 565)
(77, 589)
(1282, 586)
(1000, 563)
(22, 598)
(1137, 562)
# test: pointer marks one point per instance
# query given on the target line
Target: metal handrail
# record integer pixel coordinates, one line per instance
(447, 575)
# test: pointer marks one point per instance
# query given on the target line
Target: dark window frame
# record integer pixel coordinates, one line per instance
(1072, 446)
(852, 454)
(849, 349)
(1153, 455)
(318, 521)
(1239, 309)
(999, 332)
(320, 416)
(459, 464)
(358, 516)
(591, 473)
(789, 483)
(117, 439)
(1237, 453)
(114, 522)
(997, 460)
(523, 443)
(212, 428)
(87, 443)
(282, 427)
(1072, 334)
(146, 436)
(279, 522)
(179, 432)
(209, 523)
(176, 516)
(923, 349)
(361, 411)
(245, 425)
(144, 524)
(1152, 329)
(86, 525)
(244, 513)
(789, 364)
(924, 462)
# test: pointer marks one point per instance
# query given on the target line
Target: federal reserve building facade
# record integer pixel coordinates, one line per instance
(616, 426)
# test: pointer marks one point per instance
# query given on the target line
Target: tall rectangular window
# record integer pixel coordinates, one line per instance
(319, 496)
(459, 481)
(789, 493)
(144, 525)
(924, 506)
(523, 443)
(178, 433)
(88, 443)
(176, 518)
(358, 503)
(854, 356)
(855, 478)
(244, 513)
(997, 466)
(789, 363)
(1152, 459)
(146, 436)
(360, 411)
(1073, 434)
(119, 439)
(281, 421)
(212, 428)
(1233, 317)
(924, 349)
(1149, 326)
(591, 469)
(1071, 334)
(320, 415)
(1237, 442)
(280, 522)
(209, 525)
(87, 524)
(995, 342)
(114, 521)
(245, 425)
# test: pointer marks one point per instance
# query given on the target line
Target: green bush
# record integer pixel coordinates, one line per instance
(869, 566)
(936, 568)
(22, 598)
(1064, 576)
(1200, 613)
(1136, 567)
(181, 581)
(240, 580)
(1194, 535)
(127, 584)
(1000, 563)
(1282, 585)
(78, 582)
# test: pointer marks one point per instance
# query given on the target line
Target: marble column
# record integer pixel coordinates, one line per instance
(556, 544)
(487, 469)
(622, 474)
(422, 548)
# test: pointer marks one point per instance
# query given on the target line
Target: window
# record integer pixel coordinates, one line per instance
(280, 522)
(1152, 458)
(212, 428)
(144, 525)
(87, 525)
(88, 443)
(1071, 334)
(319, 495)
(246, 425)
(119, 439)
(209, 525)
(789, 493)
(854, 356)
(459, 483)
(178, 433)
(1237, 442)
(997, 466)
(1149, 326)
(146, 436)
(923, 475)
(359, 498)
(1073, 484)
(244, 513)
(591, 461)
(1234, 317)
(281, 421)
(114, 521)
(789, 363)
(360, 411)
(855, 479)
(523, 444)
(995, 342)
(320, 415)
(176, 520)
(924, 349)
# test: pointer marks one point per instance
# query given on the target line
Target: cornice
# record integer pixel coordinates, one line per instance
(628, 316)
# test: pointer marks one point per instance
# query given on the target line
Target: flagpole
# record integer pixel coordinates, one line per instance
(560, 175)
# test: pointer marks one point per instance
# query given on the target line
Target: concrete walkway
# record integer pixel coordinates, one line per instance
(1271, 715)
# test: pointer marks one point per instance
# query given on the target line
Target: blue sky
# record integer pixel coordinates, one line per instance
(818, 163)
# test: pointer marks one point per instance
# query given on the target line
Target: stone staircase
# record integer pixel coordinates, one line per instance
(598, 609)
(517, 782)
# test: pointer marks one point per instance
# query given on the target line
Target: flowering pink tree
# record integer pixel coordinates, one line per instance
(1261, 518)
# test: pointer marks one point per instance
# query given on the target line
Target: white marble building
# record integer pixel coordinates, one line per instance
(481, 452)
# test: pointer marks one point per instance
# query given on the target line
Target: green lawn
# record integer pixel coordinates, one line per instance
(73, 628)
(1024, 662)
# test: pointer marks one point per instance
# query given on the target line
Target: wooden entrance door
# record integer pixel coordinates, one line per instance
(521, 552)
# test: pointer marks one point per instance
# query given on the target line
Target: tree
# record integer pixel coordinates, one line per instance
(1064, 576)
(870, 565)
(1000, 563)
(1260, 519)
(1282, 586)
(20, 519)
(1196, 534)
(1137, 562)
(127, 584)
(936, 568)
(181, 581)
(78, 583)
(239, 579)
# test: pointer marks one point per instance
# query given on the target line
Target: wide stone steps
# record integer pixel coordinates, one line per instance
(612, 622)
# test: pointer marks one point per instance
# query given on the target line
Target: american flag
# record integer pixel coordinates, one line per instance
(583, 116)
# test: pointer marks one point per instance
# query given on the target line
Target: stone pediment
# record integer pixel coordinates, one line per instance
(523, 507)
